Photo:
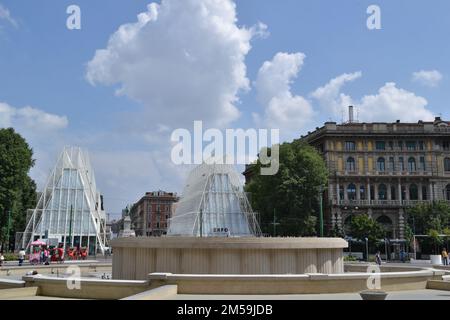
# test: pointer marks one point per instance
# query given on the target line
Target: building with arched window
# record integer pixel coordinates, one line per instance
(383, 168)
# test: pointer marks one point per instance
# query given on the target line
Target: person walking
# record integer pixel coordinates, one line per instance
(21, 256)
(444, 257)
(378, 258)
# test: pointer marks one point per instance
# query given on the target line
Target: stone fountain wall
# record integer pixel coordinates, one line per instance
(136, 258)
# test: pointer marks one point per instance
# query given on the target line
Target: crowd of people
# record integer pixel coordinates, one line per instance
(46, 255)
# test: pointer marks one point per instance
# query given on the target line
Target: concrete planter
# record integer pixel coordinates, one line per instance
(436, 259)
(373, 295)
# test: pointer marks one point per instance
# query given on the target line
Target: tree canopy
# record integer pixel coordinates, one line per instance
(17, 189)
(363, 226)
(292, 195)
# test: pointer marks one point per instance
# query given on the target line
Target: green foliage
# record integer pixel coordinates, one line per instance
(363, 226)
(292, 194)
(17, 190)
(350, 258)
(436, 239)
(429, 216)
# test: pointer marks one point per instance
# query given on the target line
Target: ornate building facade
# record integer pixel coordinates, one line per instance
(383, 169)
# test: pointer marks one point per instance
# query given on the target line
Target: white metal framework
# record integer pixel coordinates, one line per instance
(213, 204)
(69, 209)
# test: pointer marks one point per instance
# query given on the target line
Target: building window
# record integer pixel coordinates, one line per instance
(413, 192)
(393, 193)
(423, 166)
(421, 145)
(403, 193)
(447, 192)
(351, 192)
(447, 164)
(350, 145)
(401, 164)
(382, 192)
(400, 145)
(391, 145)
(412, 165)
(446, 145)
(391, 164)
(351, 166)
(380, 145)
(362, 192)
(424, 193)
(381, 165)
(387, 224)
(411, 145)
(341, 193)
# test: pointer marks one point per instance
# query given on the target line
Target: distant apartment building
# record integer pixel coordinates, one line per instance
(383, 169)
(150, 215)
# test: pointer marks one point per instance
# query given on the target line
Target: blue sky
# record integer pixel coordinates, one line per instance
(45, 66)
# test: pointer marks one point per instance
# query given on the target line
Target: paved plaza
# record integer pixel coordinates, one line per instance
(399, 295)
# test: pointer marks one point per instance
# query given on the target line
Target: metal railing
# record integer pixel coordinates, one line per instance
(386, 203)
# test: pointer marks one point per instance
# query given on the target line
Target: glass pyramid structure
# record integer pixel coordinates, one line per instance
(70, 209)
(214, 205)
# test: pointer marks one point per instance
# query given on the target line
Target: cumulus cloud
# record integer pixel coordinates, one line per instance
(392, 103)
(430, 78)
(389, 104)
(330, 97)
(283, 109)
(29, 118)
(183, 60)
(6, 16)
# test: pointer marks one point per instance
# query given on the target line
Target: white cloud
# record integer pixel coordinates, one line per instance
(6, 15)
(430, 78)
(283, 109)
(392, 103)
(330, 97)
(29, 118)
(184, 60)
(389, 104)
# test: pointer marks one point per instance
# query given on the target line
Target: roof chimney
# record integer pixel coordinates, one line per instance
(351, 117)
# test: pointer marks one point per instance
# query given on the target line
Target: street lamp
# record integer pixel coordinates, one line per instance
(367, 249)
(321, 209)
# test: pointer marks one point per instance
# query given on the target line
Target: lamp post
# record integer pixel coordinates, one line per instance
(321, 209)
(367, 249)
(8, 229)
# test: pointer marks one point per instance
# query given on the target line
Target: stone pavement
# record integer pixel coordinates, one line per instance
(399, 295)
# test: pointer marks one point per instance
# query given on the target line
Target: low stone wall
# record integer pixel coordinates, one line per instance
(10, 284)
(18, 293)
(292, 284)
(7, 271)
(438, 285)
(89, 288)
(135, 258)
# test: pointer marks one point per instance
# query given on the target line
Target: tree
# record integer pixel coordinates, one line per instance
(363, 226)
(291, 196)
(426, 216)
(435, 237)
(17, 189)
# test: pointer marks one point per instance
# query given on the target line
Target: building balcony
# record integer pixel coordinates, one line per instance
(418, 173)
(378, 203)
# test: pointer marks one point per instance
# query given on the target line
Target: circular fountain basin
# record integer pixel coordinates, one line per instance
(135, 258)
